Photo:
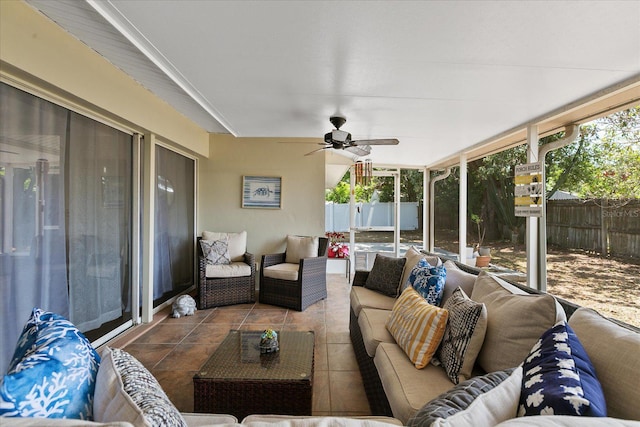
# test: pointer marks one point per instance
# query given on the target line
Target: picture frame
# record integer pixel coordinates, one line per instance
(263, 192)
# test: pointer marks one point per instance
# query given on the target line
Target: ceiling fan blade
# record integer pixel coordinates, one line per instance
(315, 151)
(391, 141)
(359, 150)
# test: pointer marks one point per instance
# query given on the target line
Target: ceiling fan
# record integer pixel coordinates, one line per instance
(341, 140)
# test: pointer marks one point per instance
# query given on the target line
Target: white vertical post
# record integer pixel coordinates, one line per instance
(352, 217)
(427, 218)
(532, 222)
(135, 230)
(462, 212)
(396, 203)
(149, 227)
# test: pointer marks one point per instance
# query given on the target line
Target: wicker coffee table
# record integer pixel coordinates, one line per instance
(238, 380)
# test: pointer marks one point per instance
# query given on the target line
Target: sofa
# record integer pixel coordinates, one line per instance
(474, 375)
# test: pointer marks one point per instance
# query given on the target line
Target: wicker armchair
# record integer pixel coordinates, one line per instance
(309, 287)
(218, 291)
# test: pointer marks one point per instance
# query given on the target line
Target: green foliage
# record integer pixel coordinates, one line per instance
(603, 163)
(410, 188)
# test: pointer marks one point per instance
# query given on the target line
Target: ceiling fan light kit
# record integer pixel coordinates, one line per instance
(341, 140)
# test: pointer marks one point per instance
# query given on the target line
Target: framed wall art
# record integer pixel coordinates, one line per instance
(261, 192)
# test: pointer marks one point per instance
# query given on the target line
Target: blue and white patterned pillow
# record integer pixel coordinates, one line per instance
(52, 373)
(559, 378)
(216, 251)
(428, 281)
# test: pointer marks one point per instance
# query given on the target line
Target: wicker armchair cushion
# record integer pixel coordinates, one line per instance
(300, 247)
(237, 242)
(235, 269)
(285, 271)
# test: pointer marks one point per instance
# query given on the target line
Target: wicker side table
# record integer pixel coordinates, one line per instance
(238, 380)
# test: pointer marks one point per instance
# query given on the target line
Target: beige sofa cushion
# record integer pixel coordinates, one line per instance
(456, 278)
(615, 354)
(235, 269)
(301, 247)
(510, 335)
(362, 297)
(237, 242)
(284, 271)
(372, 323)
(408, 389)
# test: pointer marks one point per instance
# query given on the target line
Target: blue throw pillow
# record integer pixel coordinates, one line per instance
(428, 281)
(53, 371)
(559, 378)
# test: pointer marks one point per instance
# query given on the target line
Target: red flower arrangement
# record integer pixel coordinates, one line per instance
(337, 249)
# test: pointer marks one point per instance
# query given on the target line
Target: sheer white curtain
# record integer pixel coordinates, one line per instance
(99, 220)
(174, 218)
(65, 218)
(33, 272)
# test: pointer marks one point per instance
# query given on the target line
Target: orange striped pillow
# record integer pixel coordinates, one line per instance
(417, 326)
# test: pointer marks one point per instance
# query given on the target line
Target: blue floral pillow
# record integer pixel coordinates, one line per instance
(52, 373)
(559, 378)
(428, 281)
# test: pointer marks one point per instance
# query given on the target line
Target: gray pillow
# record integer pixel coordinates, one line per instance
(385, 275)
(458, 398)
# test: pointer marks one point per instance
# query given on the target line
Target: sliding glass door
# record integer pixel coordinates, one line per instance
(66, 218)
(174, 265)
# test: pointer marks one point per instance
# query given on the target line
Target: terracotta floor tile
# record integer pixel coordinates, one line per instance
(209, 333)
(178, 385)
(223, 316)
(321, 392)
(166, 333)
(275, 317)
(321, 362)
(186, 357)
(341, 357)
(347, 393)
(149, 354)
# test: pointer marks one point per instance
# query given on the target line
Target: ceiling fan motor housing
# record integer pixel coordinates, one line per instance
(338, 136)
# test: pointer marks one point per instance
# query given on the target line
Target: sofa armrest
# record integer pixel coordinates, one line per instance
(312, 267)
(250, 260)
(360, 278)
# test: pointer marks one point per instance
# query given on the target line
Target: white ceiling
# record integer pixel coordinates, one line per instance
(440, 76)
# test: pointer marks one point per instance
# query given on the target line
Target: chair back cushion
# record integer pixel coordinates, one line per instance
(300, 247)
(237, 242)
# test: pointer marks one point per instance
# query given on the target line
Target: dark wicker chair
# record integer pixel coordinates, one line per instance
(310, 287)
(214, 291)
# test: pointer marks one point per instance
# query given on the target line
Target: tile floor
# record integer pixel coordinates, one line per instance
(174, 349)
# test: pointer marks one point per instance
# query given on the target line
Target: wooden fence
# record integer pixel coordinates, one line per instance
(604, 226)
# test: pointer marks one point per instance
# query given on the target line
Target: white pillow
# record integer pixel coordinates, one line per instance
(300, 247)
(237, 243)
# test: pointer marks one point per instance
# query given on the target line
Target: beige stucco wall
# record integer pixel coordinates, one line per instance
(220, 190)
(32, 47)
